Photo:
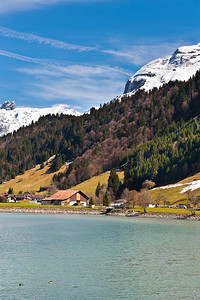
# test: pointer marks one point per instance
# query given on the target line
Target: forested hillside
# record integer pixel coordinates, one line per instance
(170, 157)
(98, 141)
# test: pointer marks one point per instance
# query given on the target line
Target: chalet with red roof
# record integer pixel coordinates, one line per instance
(67, 197)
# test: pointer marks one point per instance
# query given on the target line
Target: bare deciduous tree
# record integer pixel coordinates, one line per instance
(161, 198)
(99, 200)
(52, 189)
(131, 198)
(148, 184)
(194, 199)
(144, 199)
(111, 195)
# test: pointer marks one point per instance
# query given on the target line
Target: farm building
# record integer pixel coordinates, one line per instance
(67, 197)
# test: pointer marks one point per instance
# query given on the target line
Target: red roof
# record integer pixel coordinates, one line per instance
(64, 194)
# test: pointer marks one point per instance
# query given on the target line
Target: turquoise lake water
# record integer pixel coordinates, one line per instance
(98, 257)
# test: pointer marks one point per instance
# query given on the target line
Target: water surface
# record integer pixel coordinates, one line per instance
(98, 257)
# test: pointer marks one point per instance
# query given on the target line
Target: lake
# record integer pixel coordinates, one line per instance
(98, 257)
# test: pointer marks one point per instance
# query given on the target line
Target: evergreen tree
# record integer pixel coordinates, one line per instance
(91, 202)
(98, 189)
(56, 164)
(113, 182)
(106, 200)
(10, 190)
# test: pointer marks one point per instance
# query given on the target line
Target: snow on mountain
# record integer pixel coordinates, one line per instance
(7, 105)
(12, 117)
(181, 65)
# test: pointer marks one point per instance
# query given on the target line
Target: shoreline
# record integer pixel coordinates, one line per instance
(155, 215)
(117, 213)
(31, 210)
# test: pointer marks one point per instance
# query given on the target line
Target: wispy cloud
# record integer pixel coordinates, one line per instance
(20, 5)
(84, 85)
(62, 67)
(21, 57)
(133, 54)
(6, 32)
(78, 84)
(85, 93)
(74, 70)
(141, 54)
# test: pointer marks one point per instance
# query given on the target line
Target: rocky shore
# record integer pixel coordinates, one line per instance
(171, 216)
(114, 212)
(41, 210)
(130, 213)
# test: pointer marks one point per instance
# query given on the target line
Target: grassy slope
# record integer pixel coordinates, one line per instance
(173, 194)
(31, 180)
(89, 186)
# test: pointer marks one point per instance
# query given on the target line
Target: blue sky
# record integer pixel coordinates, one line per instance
(82, 52)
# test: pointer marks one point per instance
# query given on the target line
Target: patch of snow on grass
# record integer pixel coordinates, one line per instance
(191, 186)
(169, 186)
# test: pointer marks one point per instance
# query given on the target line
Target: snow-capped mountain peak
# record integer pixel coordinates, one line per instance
(12, 117)
(7, 105)
(181, 65)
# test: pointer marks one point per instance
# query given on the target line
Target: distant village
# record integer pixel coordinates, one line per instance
(62, 197)
(74, 198)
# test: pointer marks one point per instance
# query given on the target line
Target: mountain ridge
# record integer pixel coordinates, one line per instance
(13, 117)
(181, 66)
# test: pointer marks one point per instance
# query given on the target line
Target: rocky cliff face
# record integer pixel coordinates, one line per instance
(7, 105)
(181, 65)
